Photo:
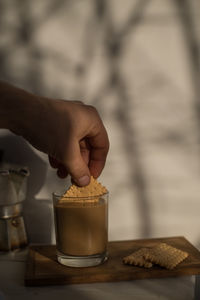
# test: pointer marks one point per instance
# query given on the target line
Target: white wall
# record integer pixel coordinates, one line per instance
(146, 94)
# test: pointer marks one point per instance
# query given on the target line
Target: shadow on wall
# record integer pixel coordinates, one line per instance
(37, 213)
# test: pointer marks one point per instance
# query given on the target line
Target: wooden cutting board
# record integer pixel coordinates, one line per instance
(43, 268)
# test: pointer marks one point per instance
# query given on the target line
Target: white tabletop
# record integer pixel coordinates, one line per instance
(12, 268)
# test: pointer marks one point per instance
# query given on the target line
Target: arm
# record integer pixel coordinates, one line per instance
(71, 133)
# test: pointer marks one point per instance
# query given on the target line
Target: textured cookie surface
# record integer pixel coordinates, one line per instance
(137, 258)
(94, 188)
(165, 255)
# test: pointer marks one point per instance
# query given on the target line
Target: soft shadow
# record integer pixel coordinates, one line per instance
(116, 84)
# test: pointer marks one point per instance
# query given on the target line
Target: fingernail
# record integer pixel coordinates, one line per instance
(84, 180)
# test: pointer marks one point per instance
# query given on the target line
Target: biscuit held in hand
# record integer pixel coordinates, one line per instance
(94, 188)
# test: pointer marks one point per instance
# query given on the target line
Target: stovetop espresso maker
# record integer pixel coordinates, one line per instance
(13, 187)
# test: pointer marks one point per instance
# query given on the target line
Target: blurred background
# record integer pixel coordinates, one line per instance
(137, 62)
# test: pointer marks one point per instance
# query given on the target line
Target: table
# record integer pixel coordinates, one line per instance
(12, 268)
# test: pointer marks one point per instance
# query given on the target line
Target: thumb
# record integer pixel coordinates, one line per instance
(76, 166)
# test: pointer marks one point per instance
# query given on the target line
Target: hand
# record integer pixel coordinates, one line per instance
(71, 133)
(73, 136)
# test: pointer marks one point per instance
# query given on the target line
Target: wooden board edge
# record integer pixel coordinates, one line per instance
(191, 245)
(150, 239)
(35, 246)
(96, 279)
(30, 267)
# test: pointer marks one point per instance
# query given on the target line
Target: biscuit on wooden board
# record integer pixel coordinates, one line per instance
(161, 254)
(137, 258)
(165, 255)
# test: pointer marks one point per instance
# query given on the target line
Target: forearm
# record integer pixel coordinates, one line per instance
(15, 105)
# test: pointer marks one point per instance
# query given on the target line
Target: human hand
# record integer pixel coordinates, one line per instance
(73, 136)
(71, 133)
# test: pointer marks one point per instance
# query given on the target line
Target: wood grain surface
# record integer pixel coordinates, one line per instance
(43, 269)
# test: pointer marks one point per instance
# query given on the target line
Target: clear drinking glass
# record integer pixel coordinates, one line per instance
(81, 226)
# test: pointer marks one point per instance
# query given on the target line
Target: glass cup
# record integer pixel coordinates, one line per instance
(81, 226)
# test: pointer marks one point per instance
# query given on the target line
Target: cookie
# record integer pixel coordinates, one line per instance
(165, 256)
(137, 258)
(93, 189)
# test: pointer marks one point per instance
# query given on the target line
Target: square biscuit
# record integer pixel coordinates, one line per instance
(165, 255)
(137, 258)
(94, 188)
